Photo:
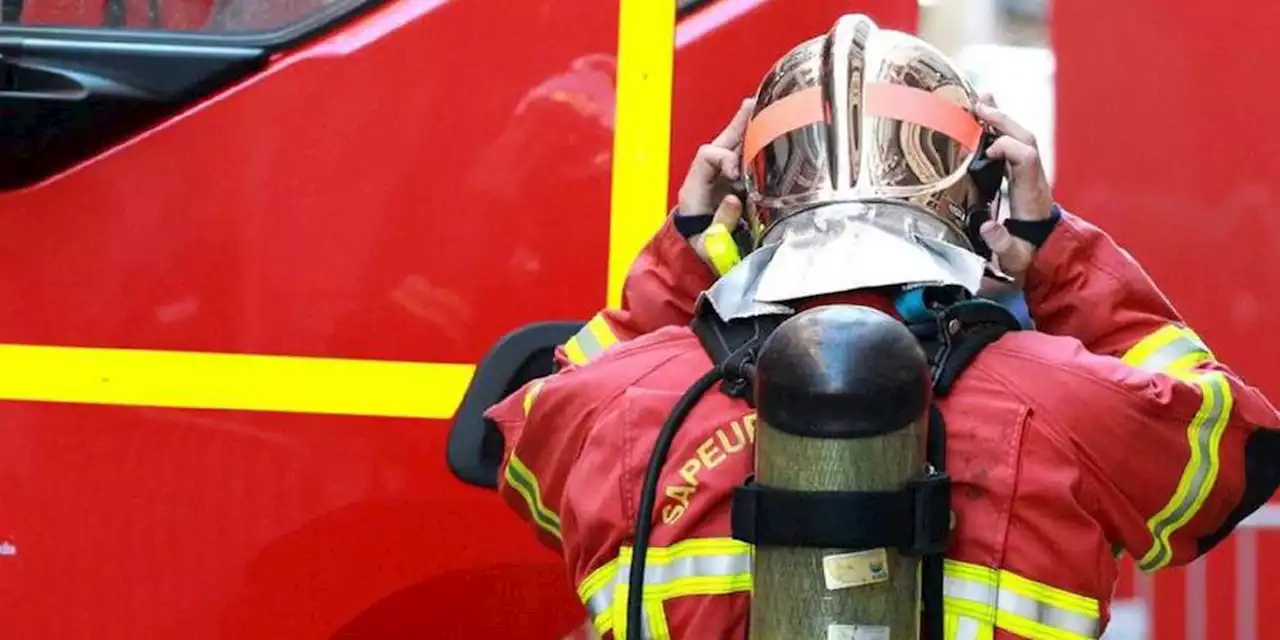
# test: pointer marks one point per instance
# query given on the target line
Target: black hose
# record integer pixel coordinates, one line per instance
(649, 494)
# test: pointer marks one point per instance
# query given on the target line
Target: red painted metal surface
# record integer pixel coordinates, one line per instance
(409, 188)
(1164, 138)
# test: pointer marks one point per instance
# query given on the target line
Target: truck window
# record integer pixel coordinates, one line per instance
(204, 16)
(78, 77)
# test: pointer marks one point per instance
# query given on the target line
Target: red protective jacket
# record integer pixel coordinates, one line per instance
(1131, 436)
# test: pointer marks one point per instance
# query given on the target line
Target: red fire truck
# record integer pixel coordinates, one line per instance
(254, 250)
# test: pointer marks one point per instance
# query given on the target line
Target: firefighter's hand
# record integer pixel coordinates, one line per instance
(727, 214)
(715, 167)
(1030, 197)
(707, 186)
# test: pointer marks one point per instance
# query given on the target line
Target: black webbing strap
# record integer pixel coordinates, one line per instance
(931, 567)
(963, 331)
(914, 520)
(733, 346)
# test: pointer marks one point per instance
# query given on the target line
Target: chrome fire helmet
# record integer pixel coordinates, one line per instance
(864, 167)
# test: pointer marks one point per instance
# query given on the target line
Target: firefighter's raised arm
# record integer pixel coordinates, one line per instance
(1078, 281)
(1173, 459)
(691, 249)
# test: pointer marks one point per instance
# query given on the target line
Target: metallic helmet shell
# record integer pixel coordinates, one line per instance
(864, 114)
(857, 167)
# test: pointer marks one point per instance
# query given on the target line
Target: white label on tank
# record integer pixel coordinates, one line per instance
(857, 632)
(846, 570)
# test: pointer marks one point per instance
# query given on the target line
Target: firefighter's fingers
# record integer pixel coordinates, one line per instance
(1017, 153)
(1004, 124)
(996, 236)
(731, 137)
(1012, 254)
(711, 165)
(988, 99)
(1030, 196)
(729, 212)
(714, 162)
(716, 246)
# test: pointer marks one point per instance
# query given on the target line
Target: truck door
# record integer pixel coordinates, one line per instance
(250, 251)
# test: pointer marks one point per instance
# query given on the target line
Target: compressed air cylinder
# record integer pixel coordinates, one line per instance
(842, 393)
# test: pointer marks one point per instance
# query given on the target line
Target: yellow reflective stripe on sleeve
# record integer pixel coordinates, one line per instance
(983, 599)
(701, 566)
(1204, 434)
(590, 341)
(531, 395)
(1171, 349)
(520, 478)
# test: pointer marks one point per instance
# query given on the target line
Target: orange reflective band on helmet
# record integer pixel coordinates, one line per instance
(799, 109)
(920, 107)
(879, 99)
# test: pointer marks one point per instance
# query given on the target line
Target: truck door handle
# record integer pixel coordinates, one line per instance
(33, 80)
(475, 447)
(19, 79)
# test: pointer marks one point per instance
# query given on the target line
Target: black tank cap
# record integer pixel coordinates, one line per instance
(841, 371)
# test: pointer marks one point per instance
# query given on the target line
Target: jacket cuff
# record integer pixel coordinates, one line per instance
(690, 275)
(1058, 250)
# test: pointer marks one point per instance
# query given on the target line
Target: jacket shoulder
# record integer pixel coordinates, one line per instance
(629, 362)
(1057, 375)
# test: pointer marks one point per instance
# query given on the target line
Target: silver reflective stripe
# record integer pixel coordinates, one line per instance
(1198, 479)
(983, 594)
(1165, 356)
(689, 567)
(659, 574)
(967, 629)
(587, 341)
(1007, 601)
(1047, 615)
(602, 600)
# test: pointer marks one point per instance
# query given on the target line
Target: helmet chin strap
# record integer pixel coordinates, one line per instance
(987, 174)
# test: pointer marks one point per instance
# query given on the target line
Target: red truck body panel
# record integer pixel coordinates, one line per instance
(409, 187)
(419, 181)
(1162, 138)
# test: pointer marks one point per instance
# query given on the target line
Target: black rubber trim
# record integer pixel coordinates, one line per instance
(312, 26)
(685, 7)
(475, 447)
(1261, 479)
(63, 101)
(11, 10)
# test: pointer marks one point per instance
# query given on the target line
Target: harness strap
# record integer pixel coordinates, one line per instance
(914, 520)
(960, 333)
(733, 346)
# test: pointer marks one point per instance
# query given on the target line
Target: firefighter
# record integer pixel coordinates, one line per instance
(1112, 428)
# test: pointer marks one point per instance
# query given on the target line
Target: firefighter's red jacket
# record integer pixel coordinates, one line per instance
(1112, 427)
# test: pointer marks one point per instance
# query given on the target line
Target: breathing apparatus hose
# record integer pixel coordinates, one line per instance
(649, 494)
